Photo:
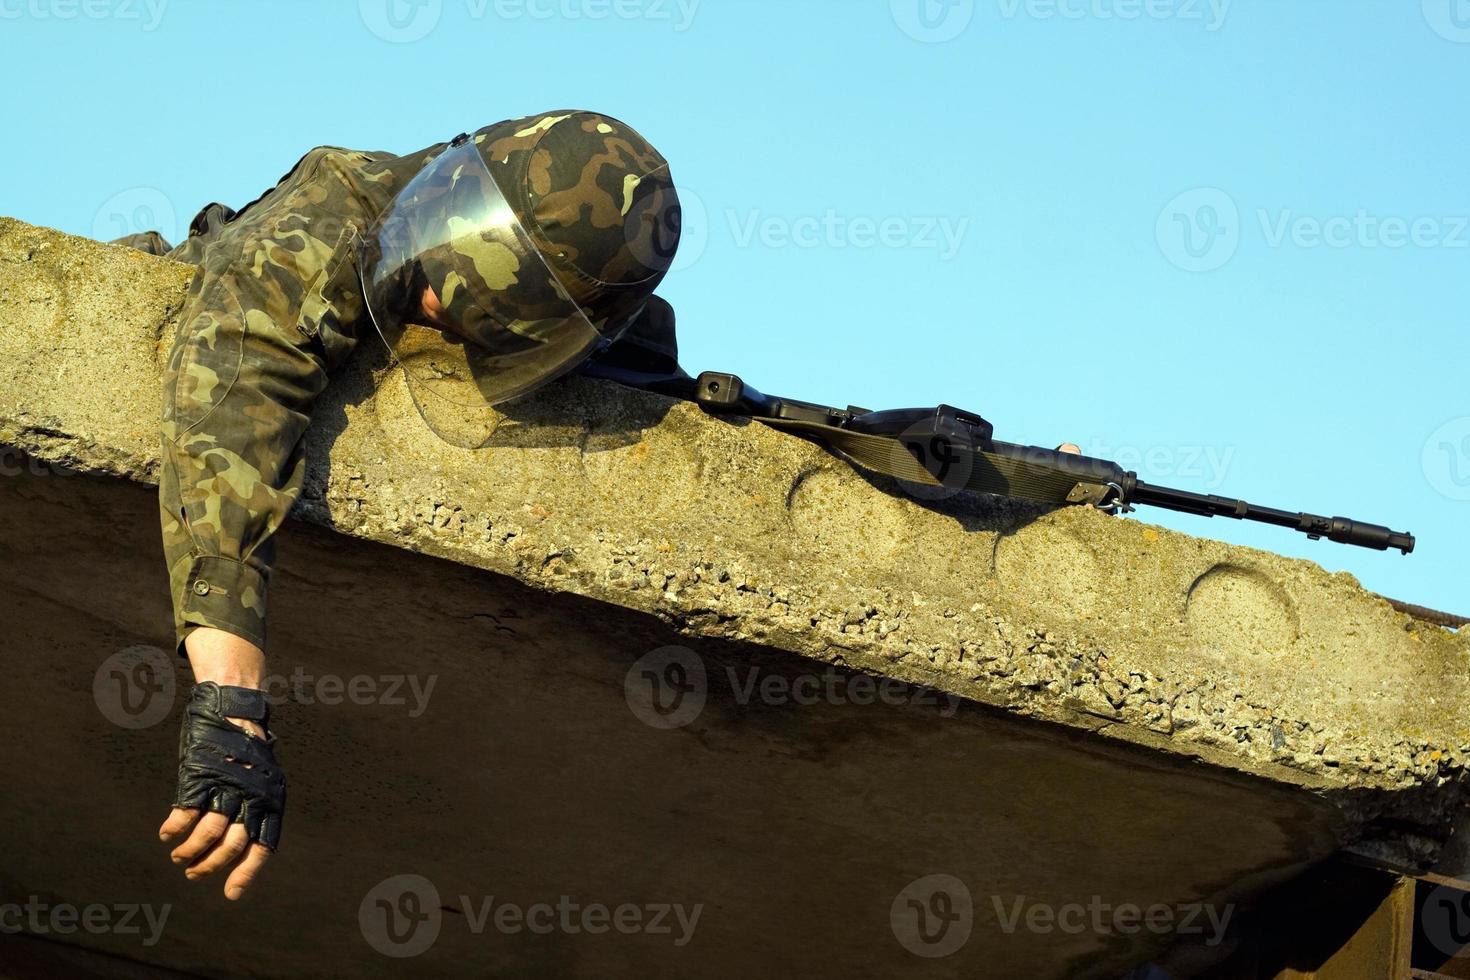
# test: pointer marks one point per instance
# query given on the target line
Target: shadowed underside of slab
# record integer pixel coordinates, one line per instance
(1160, 682)
(525, 774)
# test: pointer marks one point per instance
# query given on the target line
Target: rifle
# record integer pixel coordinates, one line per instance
(949, 447)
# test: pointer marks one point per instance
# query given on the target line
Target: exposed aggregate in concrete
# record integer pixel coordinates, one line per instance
(1234, 657)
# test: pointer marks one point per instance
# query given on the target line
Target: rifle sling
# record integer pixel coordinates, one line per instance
(988, 472)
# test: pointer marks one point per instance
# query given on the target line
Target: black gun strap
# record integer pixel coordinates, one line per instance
(988, 472)
(979, 471)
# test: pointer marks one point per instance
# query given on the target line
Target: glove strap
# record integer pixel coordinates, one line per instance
(234, 702)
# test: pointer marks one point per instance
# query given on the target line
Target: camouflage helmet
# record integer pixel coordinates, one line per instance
(542, 239)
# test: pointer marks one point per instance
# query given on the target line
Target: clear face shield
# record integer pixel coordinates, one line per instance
(465, 301)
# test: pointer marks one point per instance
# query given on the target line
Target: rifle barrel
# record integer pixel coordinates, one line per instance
(1341, 529)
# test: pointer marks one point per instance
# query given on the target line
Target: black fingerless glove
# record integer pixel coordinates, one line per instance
(223, 768)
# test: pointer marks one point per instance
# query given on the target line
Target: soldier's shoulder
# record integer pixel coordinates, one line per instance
(341, 155)
(341, 167)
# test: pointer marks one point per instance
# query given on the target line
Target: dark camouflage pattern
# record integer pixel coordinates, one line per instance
(542, 242)
(274, 307)
(598, 203)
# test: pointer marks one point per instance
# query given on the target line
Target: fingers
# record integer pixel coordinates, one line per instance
(246, 872)
(178, 821)
(221, 843)
(209, 830)
(223, 854)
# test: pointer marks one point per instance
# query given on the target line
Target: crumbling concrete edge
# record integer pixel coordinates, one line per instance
(1077, 680)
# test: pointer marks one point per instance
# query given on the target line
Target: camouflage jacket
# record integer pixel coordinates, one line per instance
(274, 307)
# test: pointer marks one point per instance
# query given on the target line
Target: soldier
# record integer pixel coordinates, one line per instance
(490, 265)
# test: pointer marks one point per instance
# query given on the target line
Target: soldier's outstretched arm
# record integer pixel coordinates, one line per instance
(238, 390)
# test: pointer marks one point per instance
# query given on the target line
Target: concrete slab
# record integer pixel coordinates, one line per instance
(1096, 707)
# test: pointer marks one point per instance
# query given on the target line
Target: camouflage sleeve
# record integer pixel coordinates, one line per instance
(238, 393)
(251, 356)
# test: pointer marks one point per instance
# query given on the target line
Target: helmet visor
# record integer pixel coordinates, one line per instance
(467, 304)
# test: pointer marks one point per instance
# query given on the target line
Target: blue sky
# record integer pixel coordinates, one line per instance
(1225, 242)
